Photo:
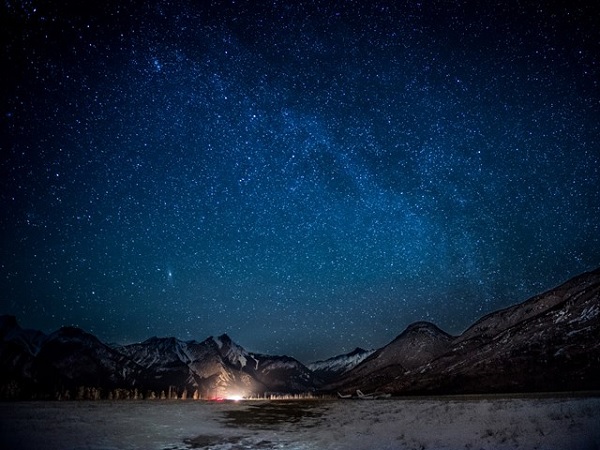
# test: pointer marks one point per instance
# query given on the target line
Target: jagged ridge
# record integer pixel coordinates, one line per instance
(549, 342)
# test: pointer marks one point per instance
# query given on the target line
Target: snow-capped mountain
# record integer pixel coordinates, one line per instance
(547, 343)
(418, 344)
(332, 368)
(61, 364)
(216, 367)
(163, 361)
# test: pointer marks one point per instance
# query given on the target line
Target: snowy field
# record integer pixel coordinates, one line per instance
(454, 423)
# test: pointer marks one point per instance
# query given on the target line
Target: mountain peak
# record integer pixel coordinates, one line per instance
(418, 344)
(424, 326)
(419, 337)
(225, 338)
(72, 333)
(69, 330)
(547, 342)
(422, 329)
(219, 340)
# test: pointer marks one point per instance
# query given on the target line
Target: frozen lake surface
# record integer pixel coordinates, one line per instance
(449, 423)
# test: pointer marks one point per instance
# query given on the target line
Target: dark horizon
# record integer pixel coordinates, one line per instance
(250, 350)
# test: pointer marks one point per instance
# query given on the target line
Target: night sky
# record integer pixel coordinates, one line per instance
(306, 176)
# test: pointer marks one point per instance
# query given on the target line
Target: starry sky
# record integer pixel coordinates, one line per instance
(306, 176)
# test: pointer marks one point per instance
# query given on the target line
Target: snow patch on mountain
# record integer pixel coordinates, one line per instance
(231, 351)
(182, 352)
(218, 342)
(341, 363)
(282, 365)
(588, 314)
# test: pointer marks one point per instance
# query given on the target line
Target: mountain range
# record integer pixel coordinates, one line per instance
(547, 343)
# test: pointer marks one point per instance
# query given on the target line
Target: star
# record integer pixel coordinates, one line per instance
(306, 177)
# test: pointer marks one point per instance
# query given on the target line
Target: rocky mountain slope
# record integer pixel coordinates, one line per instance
(216, 367)
(547, 343)
(419, 344)
(333, 368)
(550, 342)
(61, 364)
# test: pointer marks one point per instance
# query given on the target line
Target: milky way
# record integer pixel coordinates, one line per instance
(306, 176)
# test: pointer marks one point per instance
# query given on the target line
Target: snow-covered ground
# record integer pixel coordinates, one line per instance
(454, 423)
